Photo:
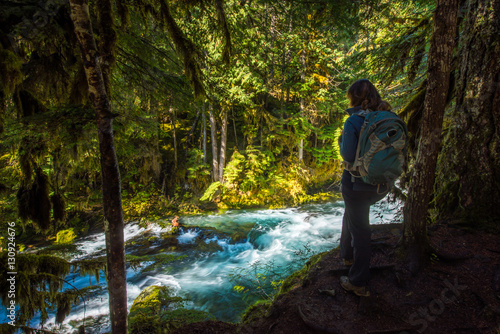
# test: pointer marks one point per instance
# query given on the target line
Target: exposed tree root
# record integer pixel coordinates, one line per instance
(493, 250)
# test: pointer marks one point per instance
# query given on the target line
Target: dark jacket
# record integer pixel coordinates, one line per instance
(348, 143)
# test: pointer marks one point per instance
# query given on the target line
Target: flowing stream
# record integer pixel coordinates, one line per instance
(214, 248)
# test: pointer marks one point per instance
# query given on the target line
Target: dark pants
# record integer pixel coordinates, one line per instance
(356, 233)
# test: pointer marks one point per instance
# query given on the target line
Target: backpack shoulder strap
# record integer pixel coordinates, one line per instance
(362, 113)
(354, 167)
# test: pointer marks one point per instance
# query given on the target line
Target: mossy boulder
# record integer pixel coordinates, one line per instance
(157, 311)
(65, 237)
(240, 233)
(208, 247)
(168, 241)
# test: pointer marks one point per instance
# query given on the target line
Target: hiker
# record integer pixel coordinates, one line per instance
(358, 196)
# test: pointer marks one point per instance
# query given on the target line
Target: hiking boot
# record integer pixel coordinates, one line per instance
(361, 291)
(348, 262)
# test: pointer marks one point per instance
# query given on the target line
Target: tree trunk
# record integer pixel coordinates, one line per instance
(287, 59)
(234, 126)
(213, 132)
(223, 141)
(204, 134)
(173, 120)
(113, 215)
(302, 79)
(468, 178)
(156, 156)
(422, 179)
(261, 130)
(2, 111)
(187, 145)
(272, 29)
(107, 40)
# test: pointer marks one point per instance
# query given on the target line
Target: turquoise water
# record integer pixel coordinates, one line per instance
(217, 247)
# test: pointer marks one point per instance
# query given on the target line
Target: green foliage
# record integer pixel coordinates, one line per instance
(90, 266)
(5, 328)
(10, 67)
(300, 275)
(261, 284)
(264, 281)
(253, 179)
(199, 172)
(211, 192)
(150, 204)
(248, 177)
(284, 82)
(39, 282)
(156, 310)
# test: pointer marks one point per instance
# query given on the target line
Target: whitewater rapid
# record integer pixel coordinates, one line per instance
(270, 237)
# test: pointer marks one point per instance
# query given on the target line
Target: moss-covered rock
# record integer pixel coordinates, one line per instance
(300, 275)
(155, 310)
(208, 247)
(65, 236)
(240, 232)
(256, 311)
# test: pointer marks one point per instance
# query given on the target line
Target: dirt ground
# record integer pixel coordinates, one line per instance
(458, 291)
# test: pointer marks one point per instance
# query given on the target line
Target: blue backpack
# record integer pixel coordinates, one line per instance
(381, 150)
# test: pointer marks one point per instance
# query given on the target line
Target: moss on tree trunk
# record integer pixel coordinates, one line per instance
(111, 186)
(468, 177)
(422, 179)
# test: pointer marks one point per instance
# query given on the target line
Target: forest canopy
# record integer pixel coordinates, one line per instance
(273, 84)
(230, 104)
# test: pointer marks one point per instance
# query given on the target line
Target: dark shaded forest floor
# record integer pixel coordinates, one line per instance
(457, 292)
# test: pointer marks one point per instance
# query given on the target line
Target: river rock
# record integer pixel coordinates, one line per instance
(157, 311)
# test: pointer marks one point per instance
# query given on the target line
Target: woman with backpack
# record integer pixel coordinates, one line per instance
(358, 195)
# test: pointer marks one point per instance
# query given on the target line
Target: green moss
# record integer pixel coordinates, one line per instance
(255, 311)
(10, 66)
(39, 282)
(90, 266)
(65, 236)
(300, 275)
(5, 328)
(211, 191)
(155, 310)
(150, 299)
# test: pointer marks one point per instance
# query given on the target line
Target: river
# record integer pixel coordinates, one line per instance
(216, 249)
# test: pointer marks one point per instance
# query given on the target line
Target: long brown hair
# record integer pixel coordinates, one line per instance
(364, 94)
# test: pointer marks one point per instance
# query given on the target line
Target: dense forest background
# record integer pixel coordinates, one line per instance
(232, 104)
(266, 129)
